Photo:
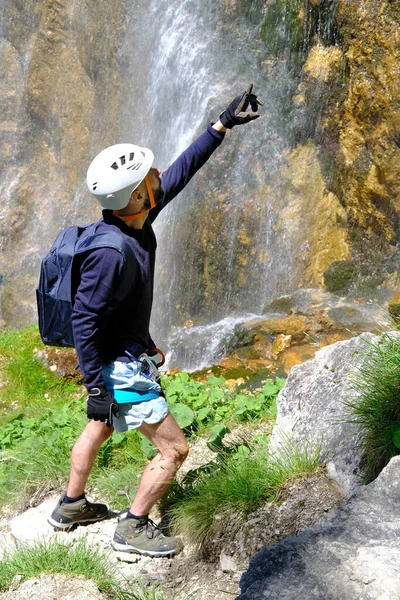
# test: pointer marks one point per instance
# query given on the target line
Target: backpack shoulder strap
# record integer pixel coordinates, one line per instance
(90, 240)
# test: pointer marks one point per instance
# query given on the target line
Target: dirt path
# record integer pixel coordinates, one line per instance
(302, 503)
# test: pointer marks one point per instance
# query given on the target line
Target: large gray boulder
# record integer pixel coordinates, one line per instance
(353, 554)
(311, 408)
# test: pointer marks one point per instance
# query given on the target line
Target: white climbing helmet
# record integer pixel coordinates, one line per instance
(116, 172)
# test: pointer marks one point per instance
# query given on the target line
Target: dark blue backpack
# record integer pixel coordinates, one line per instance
(59, 278)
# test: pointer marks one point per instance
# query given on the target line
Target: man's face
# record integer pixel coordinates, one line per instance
(154, 178)
(134, 206)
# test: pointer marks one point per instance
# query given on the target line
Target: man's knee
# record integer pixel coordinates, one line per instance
(182, 450)
(175, 454)
(97, 432)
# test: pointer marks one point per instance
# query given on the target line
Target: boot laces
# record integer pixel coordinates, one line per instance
(152, 529)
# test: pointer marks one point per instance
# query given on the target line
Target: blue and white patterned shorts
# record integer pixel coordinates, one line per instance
(136, 389)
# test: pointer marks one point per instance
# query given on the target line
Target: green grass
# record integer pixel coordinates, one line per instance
(375, 407)
(26, 379)
(51, 428)
(73, 559)
(52, 436)
(238, 485)
(118, 486)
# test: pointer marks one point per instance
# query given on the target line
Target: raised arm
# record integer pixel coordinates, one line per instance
(178, 175)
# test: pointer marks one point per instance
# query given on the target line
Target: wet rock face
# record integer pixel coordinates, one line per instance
(365, 145)
(394, 308)
(338, 197)
(347, 107)
(339, 276)
(57, 87)
(323, 181)
(371, 119)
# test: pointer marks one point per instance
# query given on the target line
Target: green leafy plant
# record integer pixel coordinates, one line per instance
(52, 436)
(53, 424)
(47, 412)
(213, 402)
(217, 434)
(375, 405)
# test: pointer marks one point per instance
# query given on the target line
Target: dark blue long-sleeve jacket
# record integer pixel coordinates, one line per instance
(101, 336)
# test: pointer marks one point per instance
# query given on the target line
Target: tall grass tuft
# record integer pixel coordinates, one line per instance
(239, 486)
(73, 559)
(375, 406)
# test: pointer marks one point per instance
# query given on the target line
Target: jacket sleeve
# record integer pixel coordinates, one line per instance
(178, 175)
(100, 277)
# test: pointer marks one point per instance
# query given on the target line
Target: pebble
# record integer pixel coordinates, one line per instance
(227, 563)
(127, 557)
(16, 580)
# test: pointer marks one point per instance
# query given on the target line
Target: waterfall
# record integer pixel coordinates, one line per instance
(196, 58)
(160, 71)
(264, 217)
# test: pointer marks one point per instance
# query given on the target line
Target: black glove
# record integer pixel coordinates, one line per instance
(101, 405)
(236, 113)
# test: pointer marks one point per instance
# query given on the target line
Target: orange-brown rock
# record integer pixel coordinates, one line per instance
(280, 344)
(298, 326)
(233, 383)
(296, 355)
(333, 338)
(62, 361)
(259, 364)
(263, 347)
(230, 362)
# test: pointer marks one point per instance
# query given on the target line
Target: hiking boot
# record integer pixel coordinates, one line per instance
(143, 536)
(65, 515)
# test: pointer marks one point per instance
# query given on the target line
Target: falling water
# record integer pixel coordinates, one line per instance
(155, 73)
(197, 57)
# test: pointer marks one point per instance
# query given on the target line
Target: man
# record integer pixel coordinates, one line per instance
(112, 337)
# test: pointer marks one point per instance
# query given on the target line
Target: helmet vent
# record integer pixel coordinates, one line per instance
(122, 159)
(114, 166)
(135, 166)
(94, 186)
(131, 155)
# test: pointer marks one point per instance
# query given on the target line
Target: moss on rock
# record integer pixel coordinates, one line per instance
(339, 276)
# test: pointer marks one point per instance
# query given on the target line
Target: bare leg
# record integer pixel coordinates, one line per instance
(168, 437)
(84, 453)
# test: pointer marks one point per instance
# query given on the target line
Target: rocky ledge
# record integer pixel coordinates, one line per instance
(352, 554)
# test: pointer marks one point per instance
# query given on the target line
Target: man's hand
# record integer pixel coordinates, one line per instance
(101, 405)
(237, 114)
